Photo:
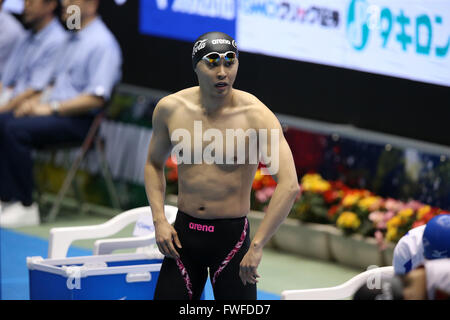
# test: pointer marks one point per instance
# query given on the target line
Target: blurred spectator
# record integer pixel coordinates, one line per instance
(421, 265)
(86, 73)
(431, 281)
(28, 71)
(431, 241)
(11, 33)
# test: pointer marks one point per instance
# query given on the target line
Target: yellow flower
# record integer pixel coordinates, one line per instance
(347, 220)
(314, 183)
(392, 234)
(258, 175)
(321, 186)
(422, 212)
(311, 176)
(350, 199)
(368, 202)
(406, 213)
(394, 222)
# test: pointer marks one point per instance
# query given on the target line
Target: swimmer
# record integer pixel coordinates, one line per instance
(211, 231)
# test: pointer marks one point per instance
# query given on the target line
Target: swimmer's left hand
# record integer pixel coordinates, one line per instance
(249, 264)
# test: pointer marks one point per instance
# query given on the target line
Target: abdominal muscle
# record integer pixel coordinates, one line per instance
(215, 191)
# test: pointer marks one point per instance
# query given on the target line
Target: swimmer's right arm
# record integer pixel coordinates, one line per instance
(155, 182)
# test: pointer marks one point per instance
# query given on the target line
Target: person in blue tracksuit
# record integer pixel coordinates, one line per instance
(428, 242)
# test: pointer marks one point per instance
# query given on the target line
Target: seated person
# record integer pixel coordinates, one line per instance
(12, 33)
(30, 66)
(88, 69)
(421, 265)
(431, 241)
(431, 281)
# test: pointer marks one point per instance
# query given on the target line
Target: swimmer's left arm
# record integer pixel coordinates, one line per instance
(283, 169)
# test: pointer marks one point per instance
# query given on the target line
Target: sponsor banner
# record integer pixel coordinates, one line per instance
(187, 19)
(402, 38)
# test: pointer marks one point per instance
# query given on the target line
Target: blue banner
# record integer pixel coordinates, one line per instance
(187, 19)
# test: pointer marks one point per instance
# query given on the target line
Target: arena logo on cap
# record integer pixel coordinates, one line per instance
(220, 41)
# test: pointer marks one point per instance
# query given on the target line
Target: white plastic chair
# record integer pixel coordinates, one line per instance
(345, 290)
(61, 238)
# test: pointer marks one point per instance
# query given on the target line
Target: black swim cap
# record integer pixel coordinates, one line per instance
(212, 42)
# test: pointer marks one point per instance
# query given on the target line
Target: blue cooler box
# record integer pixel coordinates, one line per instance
(101, 277)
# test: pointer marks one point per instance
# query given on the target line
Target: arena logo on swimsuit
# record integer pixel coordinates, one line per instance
(201, 227)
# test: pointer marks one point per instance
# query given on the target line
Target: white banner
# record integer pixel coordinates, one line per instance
(402, 38)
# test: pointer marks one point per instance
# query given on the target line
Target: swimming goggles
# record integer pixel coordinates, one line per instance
(213, 58)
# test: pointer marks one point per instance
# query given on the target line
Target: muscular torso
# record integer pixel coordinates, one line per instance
(217, 190)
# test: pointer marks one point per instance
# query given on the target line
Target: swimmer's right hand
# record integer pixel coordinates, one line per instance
(166, 236)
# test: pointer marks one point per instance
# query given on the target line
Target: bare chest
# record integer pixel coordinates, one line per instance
(229, 139)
